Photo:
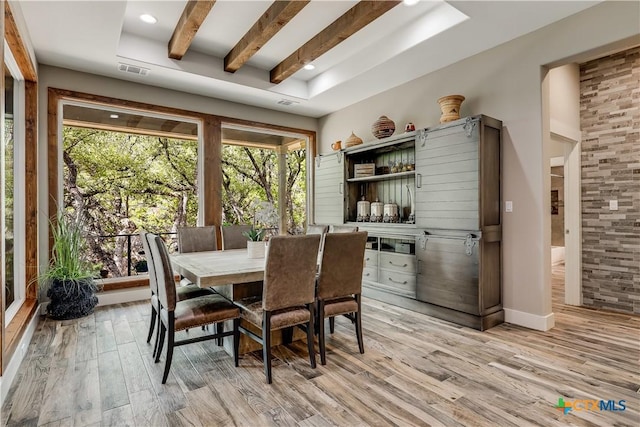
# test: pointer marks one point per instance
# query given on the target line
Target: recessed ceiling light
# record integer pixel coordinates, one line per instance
(114, 116)
(149, 19)
(410, 2)
(309, 67)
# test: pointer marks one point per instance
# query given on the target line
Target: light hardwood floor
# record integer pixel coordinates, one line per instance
(416, 371)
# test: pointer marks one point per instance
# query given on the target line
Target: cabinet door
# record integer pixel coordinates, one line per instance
(447, 171)
(448, 272)
(329, 189)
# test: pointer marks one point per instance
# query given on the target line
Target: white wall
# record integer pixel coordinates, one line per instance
(505, 83)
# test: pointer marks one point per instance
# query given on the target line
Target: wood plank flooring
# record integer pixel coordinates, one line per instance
(416, 370)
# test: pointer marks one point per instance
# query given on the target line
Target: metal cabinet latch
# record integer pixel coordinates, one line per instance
(469, 243)
(423, 242)
(422, 137)
(469, 125)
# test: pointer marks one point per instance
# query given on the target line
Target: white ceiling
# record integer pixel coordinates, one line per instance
(405, 43)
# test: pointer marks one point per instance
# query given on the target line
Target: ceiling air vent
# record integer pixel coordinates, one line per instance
(133, 69)
(287, 102)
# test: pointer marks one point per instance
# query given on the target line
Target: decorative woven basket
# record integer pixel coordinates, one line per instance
(383, 127)
(352, 140)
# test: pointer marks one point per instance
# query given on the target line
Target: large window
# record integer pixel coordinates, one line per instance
(124, 172)
(264, 180)
(13, 245)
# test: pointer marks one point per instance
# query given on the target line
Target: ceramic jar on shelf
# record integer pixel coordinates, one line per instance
(450, 107)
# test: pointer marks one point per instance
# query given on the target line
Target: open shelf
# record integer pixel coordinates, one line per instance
(384, 177)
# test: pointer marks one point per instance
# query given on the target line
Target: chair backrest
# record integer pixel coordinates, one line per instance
(342, 263)
(343, 228)
(232, 237)
(164, 272)
(197, 239)
(317, 229)
(290, 271)
(153, 280)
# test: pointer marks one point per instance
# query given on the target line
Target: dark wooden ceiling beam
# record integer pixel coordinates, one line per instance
(273, 20)
(356, 18)
(193, 16)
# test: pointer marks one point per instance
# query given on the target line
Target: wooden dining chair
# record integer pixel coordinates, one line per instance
(233, 237)
(287, 293)
(321, 230)
(343, 228)
(182, 292)
(197, 239)
(181, 315)
(339, 290)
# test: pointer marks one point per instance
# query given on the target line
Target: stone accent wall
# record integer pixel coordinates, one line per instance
(610, 122)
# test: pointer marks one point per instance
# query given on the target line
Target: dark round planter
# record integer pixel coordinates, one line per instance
(71, 300)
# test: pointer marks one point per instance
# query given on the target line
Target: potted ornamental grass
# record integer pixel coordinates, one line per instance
(69, 277)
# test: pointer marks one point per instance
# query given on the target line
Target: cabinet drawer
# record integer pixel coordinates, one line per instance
(370, 258)
(398, 262)
(370, 274)
(400, 283)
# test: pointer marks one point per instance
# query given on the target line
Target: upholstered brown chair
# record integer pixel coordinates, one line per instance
(321, 230)
(181, 315)
(317, 229)
(197, 239)
(182, 292)
(287, 293)
(339, 288)
(232, 237)
(343, 228)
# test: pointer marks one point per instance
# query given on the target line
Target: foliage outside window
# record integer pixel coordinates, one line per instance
(122, 183)
(9, 208)
(250, 176)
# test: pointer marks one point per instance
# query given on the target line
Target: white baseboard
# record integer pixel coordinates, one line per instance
(528, 320)
(14, 364)
(123, 295)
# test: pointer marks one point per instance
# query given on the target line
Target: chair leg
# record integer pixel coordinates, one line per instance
(236, 340)
(332, 324)
(358, 321)
(321, 342)
(163, 330)
(266, 345)
(152, 324)
(220, 330)
(170, 341)
(311, 335)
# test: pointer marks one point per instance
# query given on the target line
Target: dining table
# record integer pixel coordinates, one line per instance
(236, 276)
(218, 268)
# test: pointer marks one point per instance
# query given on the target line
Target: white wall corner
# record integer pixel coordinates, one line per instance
(11, 371)
(564, 131)
(528, 320)
(556, 161)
